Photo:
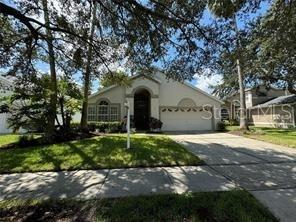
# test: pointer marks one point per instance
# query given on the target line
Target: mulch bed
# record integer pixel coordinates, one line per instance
(52, 211)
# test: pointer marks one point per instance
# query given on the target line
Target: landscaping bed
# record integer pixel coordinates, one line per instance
(97, 153)
(228, 206)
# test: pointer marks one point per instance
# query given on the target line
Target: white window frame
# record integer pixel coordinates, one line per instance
(103, 111)
(91, 115)
(114, 116)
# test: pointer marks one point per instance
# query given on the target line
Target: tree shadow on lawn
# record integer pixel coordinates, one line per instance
(220, 206)
(97, 153)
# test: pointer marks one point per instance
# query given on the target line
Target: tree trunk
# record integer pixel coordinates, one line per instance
(83, 123)
(50, 126)
(243, 111)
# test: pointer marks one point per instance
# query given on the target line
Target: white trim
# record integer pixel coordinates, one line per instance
(102, 91)
(272, 105)
(138, 75)
(147, 76)
(115, 85)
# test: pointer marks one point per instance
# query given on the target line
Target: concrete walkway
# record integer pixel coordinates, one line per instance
(268, 171)
(89, 184)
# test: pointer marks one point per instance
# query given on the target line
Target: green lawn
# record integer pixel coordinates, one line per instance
(97, 152)
(236, 206)
(285, 137)
(8, 138)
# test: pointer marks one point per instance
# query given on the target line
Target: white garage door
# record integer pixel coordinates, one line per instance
(185, 120)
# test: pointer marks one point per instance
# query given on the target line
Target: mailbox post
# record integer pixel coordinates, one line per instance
(128, 126)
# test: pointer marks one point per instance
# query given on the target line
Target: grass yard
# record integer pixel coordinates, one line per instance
(236, 206)
(8, 138)
(97, 152)
(285, 137)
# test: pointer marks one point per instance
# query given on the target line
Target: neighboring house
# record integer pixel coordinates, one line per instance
(278, 112)
(179, 105)
(263, 106)
(6, 89)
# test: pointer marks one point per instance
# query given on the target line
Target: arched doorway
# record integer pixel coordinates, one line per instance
(142, 109)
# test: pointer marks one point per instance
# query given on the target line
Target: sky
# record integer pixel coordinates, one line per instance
(202, 82)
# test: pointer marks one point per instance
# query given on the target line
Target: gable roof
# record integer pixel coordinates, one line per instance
(105, 89)
(155, 79)
(233, 94)
(152, 78)
(281, 100)
(202, 92)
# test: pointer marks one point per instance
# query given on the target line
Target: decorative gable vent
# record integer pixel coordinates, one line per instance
(186, 103)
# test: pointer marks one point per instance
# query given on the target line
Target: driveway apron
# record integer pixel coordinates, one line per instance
(268, 171)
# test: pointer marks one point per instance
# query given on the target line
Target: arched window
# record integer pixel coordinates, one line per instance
(103, 111)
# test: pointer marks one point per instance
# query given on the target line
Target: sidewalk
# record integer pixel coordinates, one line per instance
(89, 184)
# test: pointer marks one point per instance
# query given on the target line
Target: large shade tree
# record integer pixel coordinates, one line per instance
(268, 54)
(147, 33)
(232, 45)
(272, 46)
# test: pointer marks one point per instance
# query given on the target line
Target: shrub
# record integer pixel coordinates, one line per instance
(233, 122)
(155, 124)
(221, 126)
(107, 127)
(26, 140)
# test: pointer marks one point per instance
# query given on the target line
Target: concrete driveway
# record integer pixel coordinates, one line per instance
(268, 171)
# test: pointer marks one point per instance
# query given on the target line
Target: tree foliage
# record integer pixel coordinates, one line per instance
(272, 46)
(118, 78)
(268, 54)
(29, 105)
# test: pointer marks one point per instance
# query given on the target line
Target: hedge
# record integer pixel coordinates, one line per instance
(106, 127)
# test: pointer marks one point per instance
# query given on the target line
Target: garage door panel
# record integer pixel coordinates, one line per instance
(185, 121)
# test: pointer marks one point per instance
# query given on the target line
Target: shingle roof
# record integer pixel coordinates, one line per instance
(281, 100)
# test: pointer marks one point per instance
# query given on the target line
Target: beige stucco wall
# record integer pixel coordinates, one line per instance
(115, 95)
(163, 93)
(152, 87)
(273, 116)
(252, 99)
(143, 82)
(172, 92)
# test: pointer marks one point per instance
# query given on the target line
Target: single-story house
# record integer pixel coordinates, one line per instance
(179, 105)
(278, 112)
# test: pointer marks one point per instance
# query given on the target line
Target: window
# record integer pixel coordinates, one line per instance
(114, 113)
(103, 111)
(91, 113)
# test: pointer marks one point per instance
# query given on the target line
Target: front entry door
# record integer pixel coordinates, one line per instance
(142, 110)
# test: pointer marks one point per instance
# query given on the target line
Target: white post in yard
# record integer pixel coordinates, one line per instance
(128, 126)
